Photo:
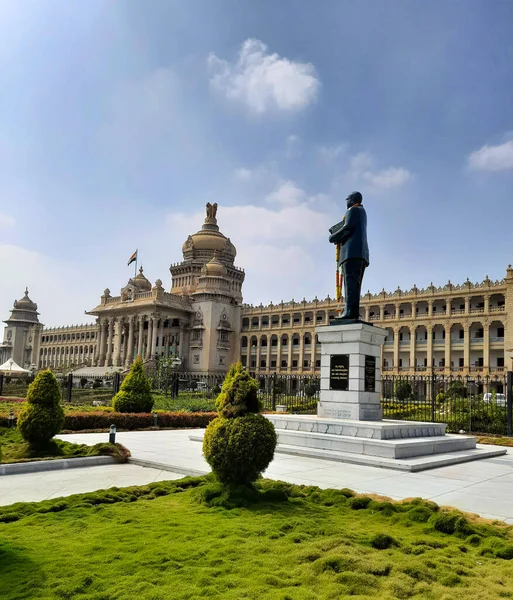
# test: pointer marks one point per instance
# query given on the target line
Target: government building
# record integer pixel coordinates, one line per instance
(202, 322)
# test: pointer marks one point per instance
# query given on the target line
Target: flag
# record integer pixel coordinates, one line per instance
(132, 258)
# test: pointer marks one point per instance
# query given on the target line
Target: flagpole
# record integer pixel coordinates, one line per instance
(136, 255)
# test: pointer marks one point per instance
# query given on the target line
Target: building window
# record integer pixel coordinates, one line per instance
(462, 334)
(500, 361)
(273, 364)
(244, 360)
(461, 362)
(500, 331)
(306, 364)
(197, 335)
(223, 336)
(294, 363)
(283, 364)
(262, 364)
(253, 364)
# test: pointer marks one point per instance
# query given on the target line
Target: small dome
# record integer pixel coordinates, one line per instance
(25, 303)
(215, 268)
(141, 282)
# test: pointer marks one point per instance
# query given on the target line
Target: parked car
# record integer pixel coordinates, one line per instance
(501, 398)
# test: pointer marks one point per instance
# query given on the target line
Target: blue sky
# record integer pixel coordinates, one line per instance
(120, 120)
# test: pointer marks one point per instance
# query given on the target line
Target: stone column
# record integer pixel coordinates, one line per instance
(258, 351)
(108, 355)
(278, 348)
(117, 342)
(430, 308)
(413, 341)
(130, 350)
(448, 346)
(430, 346)
(289, 359)
(301, 352)
(313, 352)
(101, 344)
(466, 348)
(486, 346)
(397, 311)
(140, 336)
(382, 312)
(396, 348)
(467, 305)
(181, 352)
(487, 303)
(98, 347)
(367, 313)
(161, 336)
(148, 353)
(268, 358)
(155, 322)
(448, 307)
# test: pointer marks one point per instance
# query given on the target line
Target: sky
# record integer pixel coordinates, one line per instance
(120, 120)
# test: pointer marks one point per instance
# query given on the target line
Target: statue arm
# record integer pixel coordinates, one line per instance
(342, 235)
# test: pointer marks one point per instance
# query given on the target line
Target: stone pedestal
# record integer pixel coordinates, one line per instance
(350, 371)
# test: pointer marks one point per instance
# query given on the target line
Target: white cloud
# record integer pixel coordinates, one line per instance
(264, 81)
(286, 194)
(360, 162)
(361, 171)
(332, 153)
(252, 223)
(492, 158)
(388, 179)
(6, 220)
(242, 174)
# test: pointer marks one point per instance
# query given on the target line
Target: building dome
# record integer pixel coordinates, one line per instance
(210, 239)
(141, 282)
(25, 303)
(215, 268)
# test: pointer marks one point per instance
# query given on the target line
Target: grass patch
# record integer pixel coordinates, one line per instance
(191, 539)
(15, 449)
(495, 440)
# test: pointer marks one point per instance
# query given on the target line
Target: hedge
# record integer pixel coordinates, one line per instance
(78, 421)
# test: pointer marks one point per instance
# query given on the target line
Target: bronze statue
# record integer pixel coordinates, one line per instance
(350, 235)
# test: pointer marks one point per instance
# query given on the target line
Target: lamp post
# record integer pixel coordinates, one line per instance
(11, 419)
(112, 434)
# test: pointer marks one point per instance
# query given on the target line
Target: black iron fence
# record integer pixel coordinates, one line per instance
(470, 404)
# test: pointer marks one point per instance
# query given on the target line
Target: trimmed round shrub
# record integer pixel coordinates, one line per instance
(134, 395)
(239, 449)
(239, 444)
(42, 416)
(238, 395)
(441, 397)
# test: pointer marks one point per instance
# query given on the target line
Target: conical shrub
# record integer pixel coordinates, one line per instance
(135, 392)
(42, 417)
(239, 444)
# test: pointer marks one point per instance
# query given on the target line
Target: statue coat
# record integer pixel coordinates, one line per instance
(351, 233)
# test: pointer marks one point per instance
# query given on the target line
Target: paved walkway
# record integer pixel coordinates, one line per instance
(484, 487)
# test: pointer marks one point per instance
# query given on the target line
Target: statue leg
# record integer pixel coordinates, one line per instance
(353, 269)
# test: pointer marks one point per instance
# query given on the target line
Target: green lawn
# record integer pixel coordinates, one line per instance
(15, 449)
(160, 542)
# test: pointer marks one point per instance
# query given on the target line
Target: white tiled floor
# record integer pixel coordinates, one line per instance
(485, 486)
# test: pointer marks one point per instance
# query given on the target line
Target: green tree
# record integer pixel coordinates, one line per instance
(239, 444)
(135, 392)
(403, 390)
(42, 417)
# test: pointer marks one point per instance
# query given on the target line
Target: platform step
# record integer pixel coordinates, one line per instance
(413, 465)
(381, 430)
(404, 448)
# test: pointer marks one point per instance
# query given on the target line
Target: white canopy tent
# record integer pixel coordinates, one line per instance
(11, 368)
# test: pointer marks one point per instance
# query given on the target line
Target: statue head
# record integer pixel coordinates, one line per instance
(354, 198)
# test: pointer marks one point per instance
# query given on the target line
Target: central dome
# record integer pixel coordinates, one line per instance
(209, 239)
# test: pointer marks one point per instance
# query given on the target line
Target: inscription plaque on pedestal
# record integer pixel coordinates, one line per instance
(339, 372)
(370, 373)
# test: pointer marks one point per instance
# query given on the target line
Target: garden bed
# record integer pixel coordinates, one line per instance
(299, 543)
(14, 449)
